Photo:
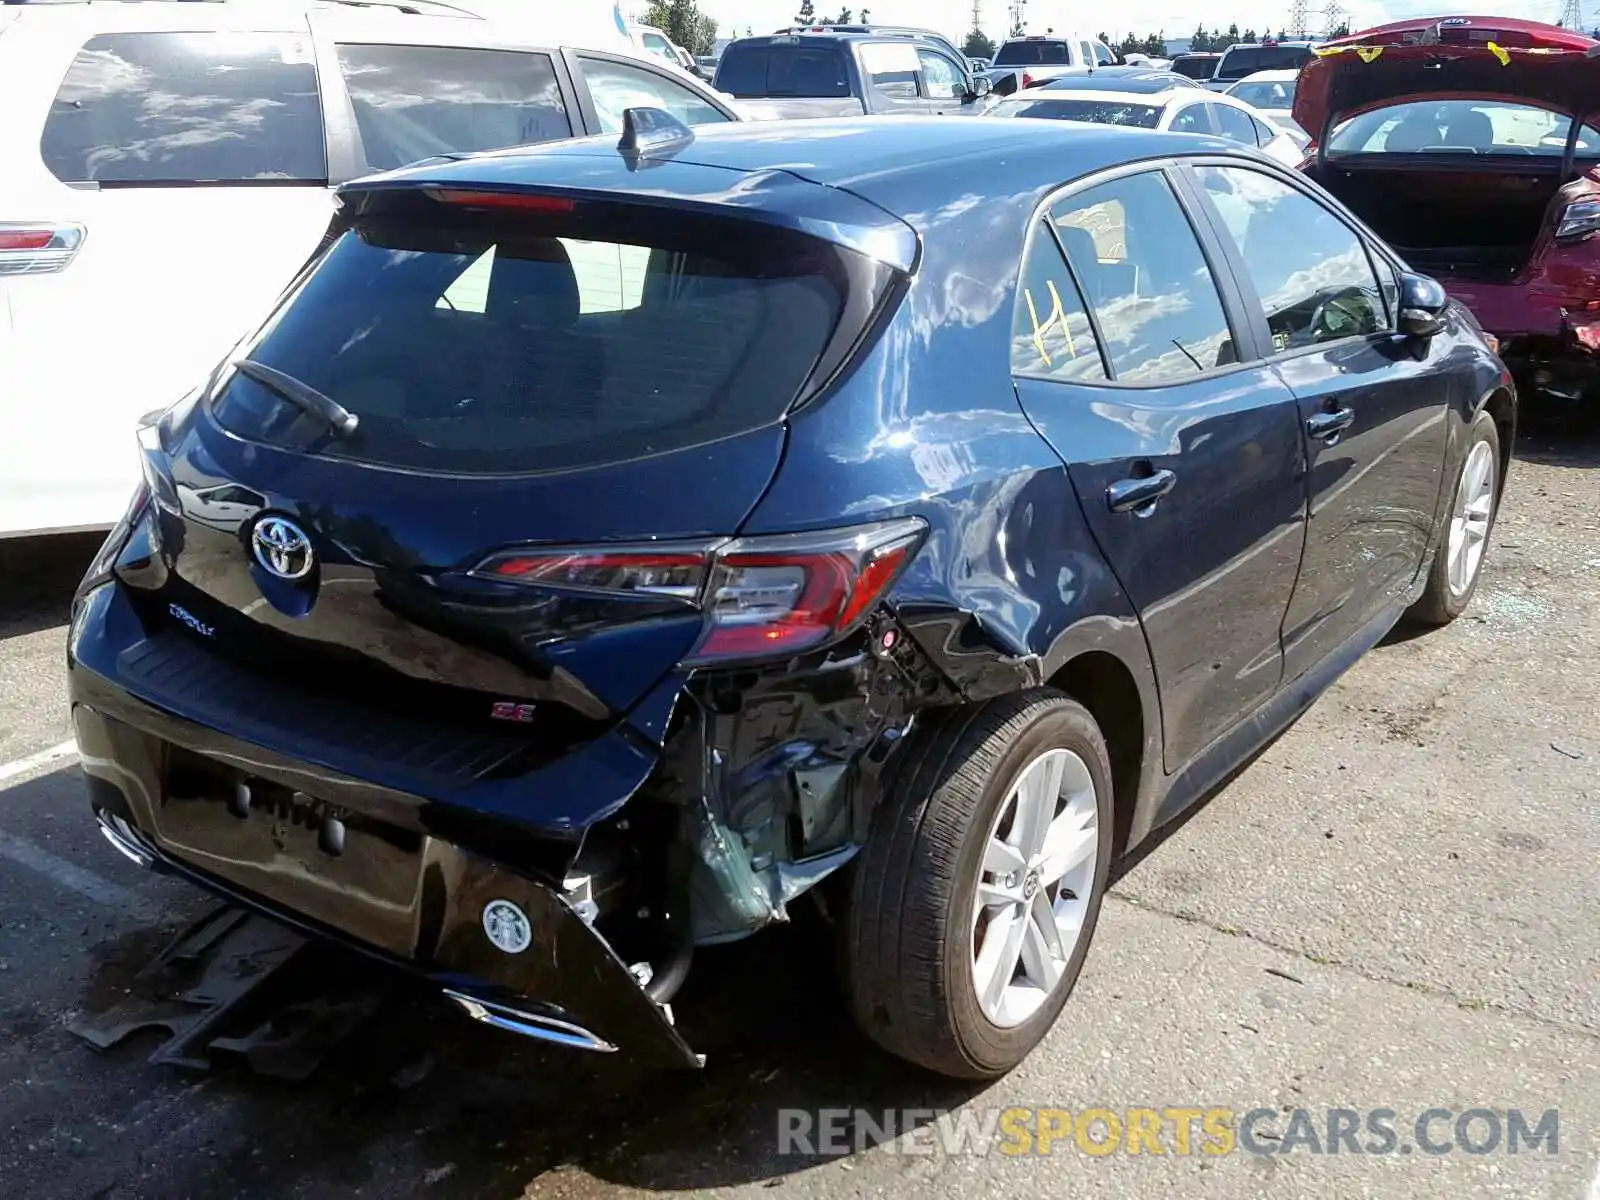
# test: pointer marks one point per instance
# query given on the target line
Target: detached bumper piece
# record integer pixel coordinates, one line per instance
(357, 864)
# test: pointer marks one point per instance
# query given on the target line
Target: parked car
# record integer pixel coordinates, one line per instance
(1199, 66)
(1244, 59)
(706, 67)
(847, 73)
(979, 64)
(1151, 100)
(263, 109)
(1271, 93)
(1025, 62)
(1057, 468)
(916, 33)
(1481, 163)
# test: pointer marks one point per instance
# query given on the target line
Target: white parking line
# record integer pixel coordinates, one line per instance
(36, 762)
(1594, 1184)
(86, 883)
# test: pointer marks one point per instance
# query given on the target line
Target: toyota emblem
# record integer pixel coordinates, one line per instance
(282, 548)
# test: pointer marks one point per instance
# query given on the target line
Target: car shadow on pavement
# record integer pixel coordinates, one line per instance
(1558, 445)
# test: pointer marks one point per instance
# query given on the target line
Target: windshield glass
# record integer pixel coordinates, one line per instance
(1033, 54)
(1239, 61)
(535, 342)
(1100, 112)
(1460, 127)
(1265, 95)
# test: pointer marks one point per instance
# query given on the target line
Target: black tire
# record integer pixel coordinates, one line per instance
(907, 930)
(1440, 603)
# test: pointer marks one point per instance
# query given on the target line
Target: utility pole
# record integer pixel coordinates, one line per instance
(1298, 17)
(1572, 15)
(1019, 16)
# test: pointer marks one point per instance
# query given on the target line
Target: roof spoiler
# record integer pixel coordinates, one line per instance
(649, 133)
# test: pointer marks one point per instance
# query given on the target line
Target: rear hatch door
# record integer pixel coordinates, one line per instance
(1352, 78)
(558, 405)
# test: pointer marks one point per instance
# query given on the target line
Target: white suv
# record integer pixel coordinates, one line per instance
(165, 169)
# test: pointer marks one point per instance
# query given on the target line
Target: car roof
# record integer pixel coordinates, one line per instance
(901, 165)
(1142, 80)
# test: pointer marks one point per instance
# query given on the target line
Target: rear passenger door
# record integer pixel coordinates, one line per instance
(1372, 411)
(889, 72)
(1136, 364)
(1190, 116)
(1234, 124)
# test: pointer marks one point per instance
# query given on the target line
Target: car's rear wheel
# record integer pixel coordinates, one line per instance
(975, 898)
(1458, 562)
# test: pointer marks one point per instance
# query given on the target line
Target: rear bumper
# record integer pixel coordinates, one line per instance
(354, 862)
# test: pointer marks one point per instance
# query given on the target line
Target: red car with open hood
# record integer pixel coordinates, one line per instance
(1472, 145)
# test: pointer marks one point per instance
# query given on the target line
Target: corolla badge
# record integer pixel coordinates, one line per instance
(282, 548)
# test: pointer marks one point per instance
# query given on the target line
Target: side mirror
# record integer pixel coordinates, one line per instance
(1422, 305)
(980, 87)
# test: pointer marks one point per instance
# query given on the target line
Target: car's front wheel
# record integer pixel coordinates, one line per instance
(977, 893)
(1458, 562)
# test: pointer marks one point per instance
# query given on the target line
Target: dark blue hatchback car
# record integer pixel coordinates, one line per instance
(604, 545)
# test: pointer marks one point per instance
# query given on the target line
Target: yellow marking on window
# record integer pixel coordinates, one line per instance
(1038, 330)
(1061, 312)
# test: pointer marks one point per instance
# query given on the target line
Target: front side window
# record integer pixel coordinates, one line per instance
(473, 343)
(1234, 123)
(184, 108)
(1461, 127)
(1103, 55)
(616, 87)
(1147, 280)
(1310, 270)
(891, 68)
(414, 102)
(941, 77)
(1050, 331)
(659, 46)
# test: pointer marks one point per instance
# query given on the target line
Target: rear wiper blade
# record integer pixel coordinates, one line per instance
(339, 418)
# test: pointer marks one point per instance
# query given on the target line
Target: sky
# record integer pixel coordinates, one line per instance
(1174, 18)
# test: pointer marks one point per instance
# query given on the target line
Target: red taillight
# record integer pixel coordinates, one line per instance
(519, 201)
(761, 596)
(37, 247)
(679, 574)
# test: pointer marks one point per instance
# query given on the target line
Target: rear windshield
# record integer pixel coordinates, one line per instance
(1194, 68)
(1100, 112)
(1265, 95)
(1461, 127)
(795, 71)
(1239, 61)
(1033, 54)
(545, 341)
(154, 108)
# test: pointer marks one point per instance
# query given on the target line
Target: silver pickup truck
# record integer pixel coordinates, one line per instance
(836, 72)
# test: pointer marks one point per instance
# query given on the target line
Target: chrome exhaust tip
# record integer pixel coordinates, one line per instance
(122, 836)
(530, 1025)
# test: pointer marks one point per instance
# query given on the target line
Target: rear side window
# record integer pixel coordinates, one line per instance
(1050, 331)
(813, 72)
(552, 339)
(154, 108)
(413, 102)
(1147, 280)
(615, 87)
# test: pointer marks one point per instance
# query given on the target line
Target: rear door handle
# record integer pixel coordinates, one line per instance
(1133, 495)
(1330, 426)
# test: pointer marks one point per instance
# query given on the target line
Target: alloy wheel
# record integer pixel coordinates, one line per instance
(1034, 887)
(1469, 521)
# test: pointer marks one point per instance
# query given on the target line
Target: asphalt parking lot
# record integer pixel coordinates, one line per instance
(1397, 905)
